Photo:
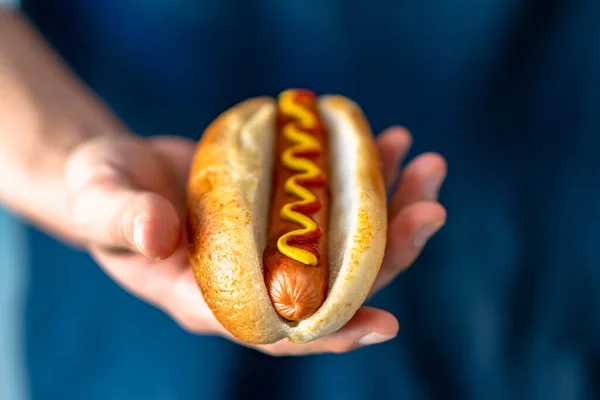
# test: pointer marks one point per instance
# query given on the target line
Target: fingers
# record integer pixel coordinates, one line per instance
(408, 232)
(368, 326)
(421, 180)
(414, 215)
(110, 208)
(393, 144)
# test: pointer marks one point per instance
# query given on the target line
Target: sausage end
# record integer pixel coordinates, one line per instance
(296, 291)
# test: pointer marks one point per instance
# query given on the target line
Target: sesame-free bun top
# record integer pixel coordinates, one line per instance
(229, 194)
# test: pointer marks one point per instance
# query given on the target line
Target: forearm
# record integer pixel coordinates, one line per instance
(44, 113)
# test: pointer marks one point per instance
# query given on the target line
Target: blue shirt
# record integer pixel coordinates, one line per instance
(505, 301)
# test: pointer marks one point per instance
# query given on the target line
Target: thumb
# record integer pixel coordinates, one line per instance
(110, 210)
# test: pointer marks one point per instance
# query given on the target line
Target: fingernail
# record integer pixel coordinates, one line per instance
(374, 338)
(138, 234)
(432, 188)
(425, 233)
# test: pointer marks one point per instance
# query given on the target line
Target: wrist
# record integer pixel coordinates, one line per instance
(32, 184)
(45, 113)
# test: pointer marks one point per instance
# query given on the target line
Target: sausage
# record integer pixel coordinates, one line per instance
(295, 259)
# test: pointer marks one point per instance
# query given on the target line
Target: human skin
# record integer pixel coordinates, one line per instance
(73, 169)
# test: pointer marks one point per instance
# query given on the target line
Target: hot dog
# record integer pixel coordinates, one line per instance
(286, 216)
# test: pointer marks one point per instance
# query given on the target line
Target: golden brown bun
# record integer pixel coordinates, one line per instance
(227, 219)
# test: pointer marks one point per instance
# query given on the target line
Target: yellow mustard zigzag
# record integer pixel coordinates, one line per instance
(307, 169)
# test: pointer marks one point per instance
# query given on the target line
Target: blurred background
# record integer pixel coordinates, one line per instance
(13, 275)
(505, 301)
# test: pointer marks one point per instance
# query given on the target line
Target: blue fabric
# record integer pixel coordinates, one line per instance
(505, 301)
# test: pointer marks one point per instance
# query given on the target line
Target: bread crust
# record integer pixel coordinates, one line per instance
(227, 214)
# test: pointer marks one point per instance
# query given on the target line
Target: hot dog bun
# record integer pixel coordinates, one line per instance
(229, 189)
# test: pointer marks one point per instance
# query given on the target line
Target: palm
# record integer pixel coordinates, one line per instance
(143, 183)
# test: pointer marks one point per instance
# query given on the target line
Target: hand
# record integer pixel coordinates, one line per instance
(127, 202)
